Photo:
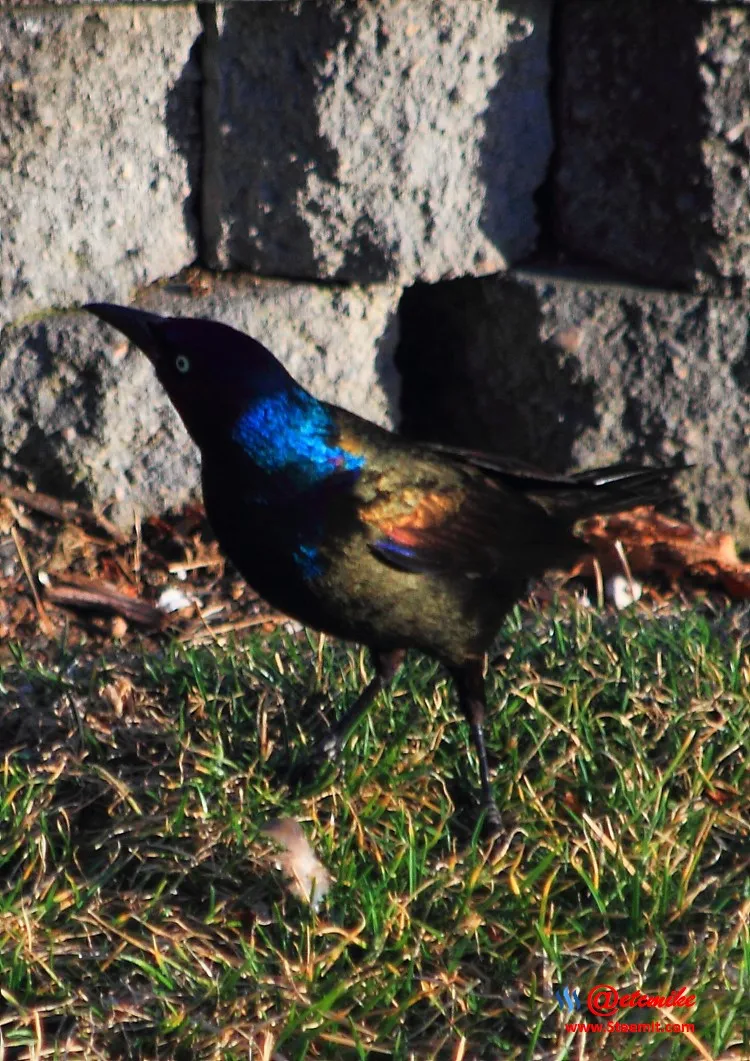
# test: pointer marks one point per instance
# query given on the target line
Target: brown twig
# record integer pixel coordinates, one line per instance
(50, 506)
(62, 510)
(212, 632)
(96, 597)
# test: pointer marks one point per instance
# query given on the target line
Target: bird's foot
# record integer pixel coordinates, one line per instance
(498, 833)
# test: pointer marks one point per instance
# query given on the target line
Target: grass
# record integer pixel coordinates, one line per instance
(139, 915)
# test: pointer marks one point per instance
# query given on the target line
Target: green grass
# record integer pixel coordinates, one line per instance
(139, 916)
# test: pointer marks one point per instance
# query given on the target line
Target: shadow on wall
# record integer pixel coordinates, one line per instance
(630, 184)
(184, 121)
(263, 133)
(386, 369)
(54, 392)
(476, 373)
(741, 371)
(515, 115)
(628, 188)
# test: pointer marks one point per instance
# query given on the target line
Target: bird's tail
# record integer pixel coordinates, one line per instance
(601, 491)
(575, 496)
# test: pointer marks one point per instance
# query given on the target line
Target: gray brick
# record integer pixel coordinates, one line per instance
(653, 170)
(398, 138)
(99, 141)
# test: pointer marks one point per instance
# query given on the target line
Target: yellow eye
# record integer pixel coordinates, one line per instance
(182, 363)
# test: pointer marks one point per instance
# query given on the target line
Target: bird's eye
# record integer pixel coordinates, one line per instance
(182, 363)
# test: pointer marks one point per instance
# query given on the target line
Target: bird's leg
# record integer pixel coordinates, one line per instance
(386, 664)
(329, 747)
(473, 700)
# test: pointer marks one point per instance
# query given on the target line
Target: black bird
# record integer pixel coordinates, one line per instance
(358, 532)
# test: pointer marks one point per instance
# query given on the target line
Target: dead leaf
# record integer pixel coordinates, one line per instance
(654, 543)
(305, 874)
(118, 694)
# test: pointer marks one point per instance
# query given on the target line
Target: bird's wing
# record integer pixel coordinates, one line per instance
(466, 528)
(527, 477)
(421, 531)
(497, 514)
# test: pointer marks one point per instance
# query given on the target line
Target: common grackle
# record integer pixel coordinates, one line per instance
(361, 533)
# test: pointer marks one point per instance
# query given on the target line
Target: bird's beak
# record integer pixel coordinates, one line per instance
(138, 325)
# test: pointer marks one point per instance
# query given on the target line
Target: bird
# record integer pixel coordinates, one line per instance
(360, 532)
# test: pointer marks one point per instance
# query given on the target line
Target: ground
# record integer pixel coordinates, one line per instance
(141, 913)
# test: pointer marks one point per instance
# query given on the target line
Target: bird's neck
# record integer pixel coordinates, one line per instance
(288, 432)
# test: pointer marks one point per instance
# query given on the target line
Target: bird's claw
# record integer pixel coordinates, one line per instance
(498, 833)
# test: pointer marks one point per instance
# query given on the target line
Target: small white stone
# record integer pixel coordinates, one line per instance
(622, 591)
(173, 599)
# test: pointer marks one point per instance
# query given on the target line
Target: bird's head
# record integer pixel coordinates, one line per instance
(210, 371)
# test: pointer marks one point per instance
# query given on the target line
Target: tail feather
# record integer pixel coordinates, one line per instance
(615, 488)
(612, 488)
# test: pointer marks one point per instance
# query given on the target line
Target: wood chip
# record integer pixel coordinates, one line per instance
(104, 600)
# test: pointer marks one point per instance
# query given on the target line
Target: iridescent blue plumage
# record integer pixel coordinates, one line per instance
(290, 431)
(307, 559)
(291, 434)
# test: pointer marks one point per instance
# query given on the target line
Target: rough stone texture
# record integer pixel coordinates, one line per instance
(573, 376)
(361, 141)
(82, 413)
(27, 5)
(724, 46)
(99, 141)
(653, 169)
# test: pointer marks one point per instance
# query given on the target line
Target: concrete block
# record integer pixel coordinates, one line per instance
(388, 139)
(571, 375)
(653, 165)
(99, 149)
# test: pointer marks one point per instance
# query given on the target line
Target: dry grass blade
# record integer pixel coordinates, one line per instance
(44, 621)
(203, 631)
(691, 1037)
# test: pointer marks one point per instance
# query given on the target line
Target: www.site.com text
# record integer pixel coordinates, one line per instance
(621, 1026)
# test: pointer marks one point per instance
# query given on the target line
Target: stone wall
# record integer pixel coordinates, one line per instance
(516, 224)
